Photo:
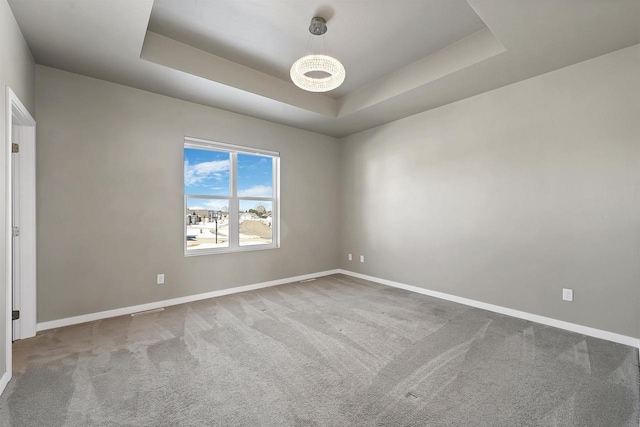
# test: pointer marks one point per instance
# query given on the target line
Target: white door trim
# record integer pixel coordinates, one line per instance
(17, 114)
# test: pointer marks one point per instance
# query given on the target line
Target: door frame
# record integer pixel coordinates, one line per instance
(18, 115)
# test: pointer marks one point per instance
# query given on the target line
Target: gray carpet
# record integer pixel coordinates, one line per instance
(334, 352)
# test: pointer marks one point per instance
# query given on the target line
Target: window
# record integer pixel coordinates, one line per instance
(231, 198)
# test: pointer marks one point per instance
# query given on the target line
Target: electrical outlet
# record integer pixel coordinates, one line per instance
(567, 294)
(160, 280)
(361, 258)
(350, 257)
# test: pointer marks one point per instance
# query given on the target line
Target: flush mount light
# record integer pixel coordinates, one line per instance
(303, 69)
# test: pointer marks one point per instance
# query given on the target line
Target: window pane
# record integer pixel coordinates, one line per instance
(207, 222)
(255, 176)
(255, 223)
(206, 172)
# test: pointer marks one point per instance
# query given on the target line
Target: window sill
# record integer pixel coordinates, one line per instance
(250, 248)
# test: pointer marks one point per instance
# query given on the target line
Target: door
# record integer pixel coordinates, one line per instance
(15, 242)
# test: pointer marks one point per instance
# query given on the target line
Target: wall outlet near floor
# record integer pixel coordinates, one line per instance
(350, 257)
(567, 294)
(160, 280)
(361, 258)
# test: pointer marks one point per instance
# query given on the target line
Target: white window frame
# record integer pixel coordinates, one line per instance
(233, 199)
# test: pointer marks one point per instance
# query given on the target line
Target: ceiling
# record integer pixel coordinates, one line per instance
(269, 36)
(401, 56)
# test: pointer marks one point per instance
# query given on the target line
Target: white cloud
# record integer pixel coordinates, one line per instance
(196, 174)
(256, 191)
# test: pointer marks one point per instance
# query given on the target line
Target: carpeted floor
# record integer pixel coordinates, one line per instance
(337, 351)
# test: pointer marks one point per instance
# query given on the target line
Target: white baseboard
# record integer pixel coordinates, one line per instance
(175, 301)
(584, 330)
(4, 381)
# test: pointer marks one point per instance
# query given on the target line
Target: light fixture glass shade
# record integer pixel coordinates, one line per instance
(322, 63)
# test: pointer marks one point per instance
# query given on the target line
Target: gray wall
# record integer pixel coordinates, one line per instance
(509, 196)
(110, 197)
(17, 71)
(505, 198)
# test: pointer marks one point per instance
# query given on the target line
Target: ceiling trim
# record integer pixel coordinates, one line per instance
(170, 53)
(475, 48)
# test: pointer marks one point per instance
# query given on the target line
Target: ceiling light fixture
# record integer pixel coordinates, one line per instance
(325, 64)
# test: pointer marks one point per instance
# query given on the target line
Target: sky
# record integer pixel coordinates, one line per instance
(206, 173)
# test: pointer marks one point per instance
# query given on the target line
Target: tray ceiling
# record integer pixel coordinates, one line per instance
(402, 56)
